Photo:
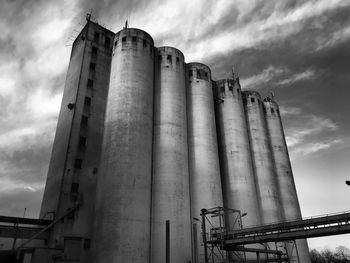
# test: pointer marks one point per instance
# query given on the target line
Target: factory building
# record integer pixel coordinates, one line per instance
(144, 141)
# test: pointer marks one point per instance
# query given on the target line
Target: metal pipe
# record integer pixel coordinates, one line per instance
(204, 235)
(167, 241)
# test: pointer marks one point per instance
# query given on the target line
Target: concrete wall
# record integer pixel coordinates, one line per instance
(288, 194)
(204, 164)
(75, 158)
(170, 187)
(123, 204)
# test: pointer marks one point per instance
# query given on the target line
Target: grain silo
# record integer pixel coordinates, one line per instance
(123, 205)
(171, 219)
(205, 183)
(265, 175)
(236, 162)
(285, 180)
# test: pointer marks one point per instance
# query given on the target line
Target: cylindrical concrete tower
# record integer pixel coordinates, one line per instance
(264, 170)
(237, 174)
(123, 205)
(236, 162)
(170, 183)
(285, 180)
(204, 164)
(265, 175)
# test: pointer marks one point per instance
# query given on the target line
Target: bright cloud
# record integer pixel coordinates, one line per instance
(265, 76)
(308, 74)
(312, 125)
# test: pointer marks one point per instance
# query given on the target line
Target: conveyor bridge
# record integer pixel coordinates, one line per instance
(327, 225)
(219, 237)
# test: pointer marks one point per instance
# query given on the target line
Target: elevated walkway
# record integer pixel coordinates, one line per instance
(327, 225)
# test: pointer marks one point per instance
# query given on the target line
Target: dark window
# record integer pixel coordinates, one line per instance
(87, 243)
(278, 111)
(97, 37)
(272, 111)
(107, 42)
(244, 100)
(222, 89)
(230, 88)
(82, 141)
(74, 188)
(169, 59)
(84, 120)
(115, 43)
(72, 213)
(92, 66)
(94, 50)
(177, 60)
(78, 163)
(144, 43)
(124, 39)
(159, 57)
(264, 109)
(87, 101)
(133, 39)
(252, 99)
(190, 73)
(206, 74)
(90, 83)
(198, 73)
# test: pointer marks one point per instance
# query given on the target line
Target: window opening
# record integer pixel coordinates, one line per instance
(87, 101)
(84, 120)
(78, 163)
(92, 66)
(82, 141)
(107, 42)
(90, 83)
(97, 37)
(74, 188)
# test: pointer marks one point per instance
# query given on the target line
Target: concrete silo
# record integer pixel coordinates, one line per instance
(237, 174)
(285, 180)
(123, 205)
(170, 183)
(205, 183)
(265, 175)
(235, 157)
(264, 170)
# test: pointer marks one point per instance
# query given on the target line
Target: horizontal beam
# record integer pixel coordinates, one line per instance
(25, 221)
(253, 250)
(22, 232)
(289, 235)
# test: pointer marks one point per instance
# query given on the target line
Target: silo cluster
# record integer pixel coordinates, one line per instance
(168, 152)
(174, 142)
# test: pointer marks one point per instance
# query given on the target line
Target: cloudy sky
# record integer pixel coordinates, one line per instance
(300, 50)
